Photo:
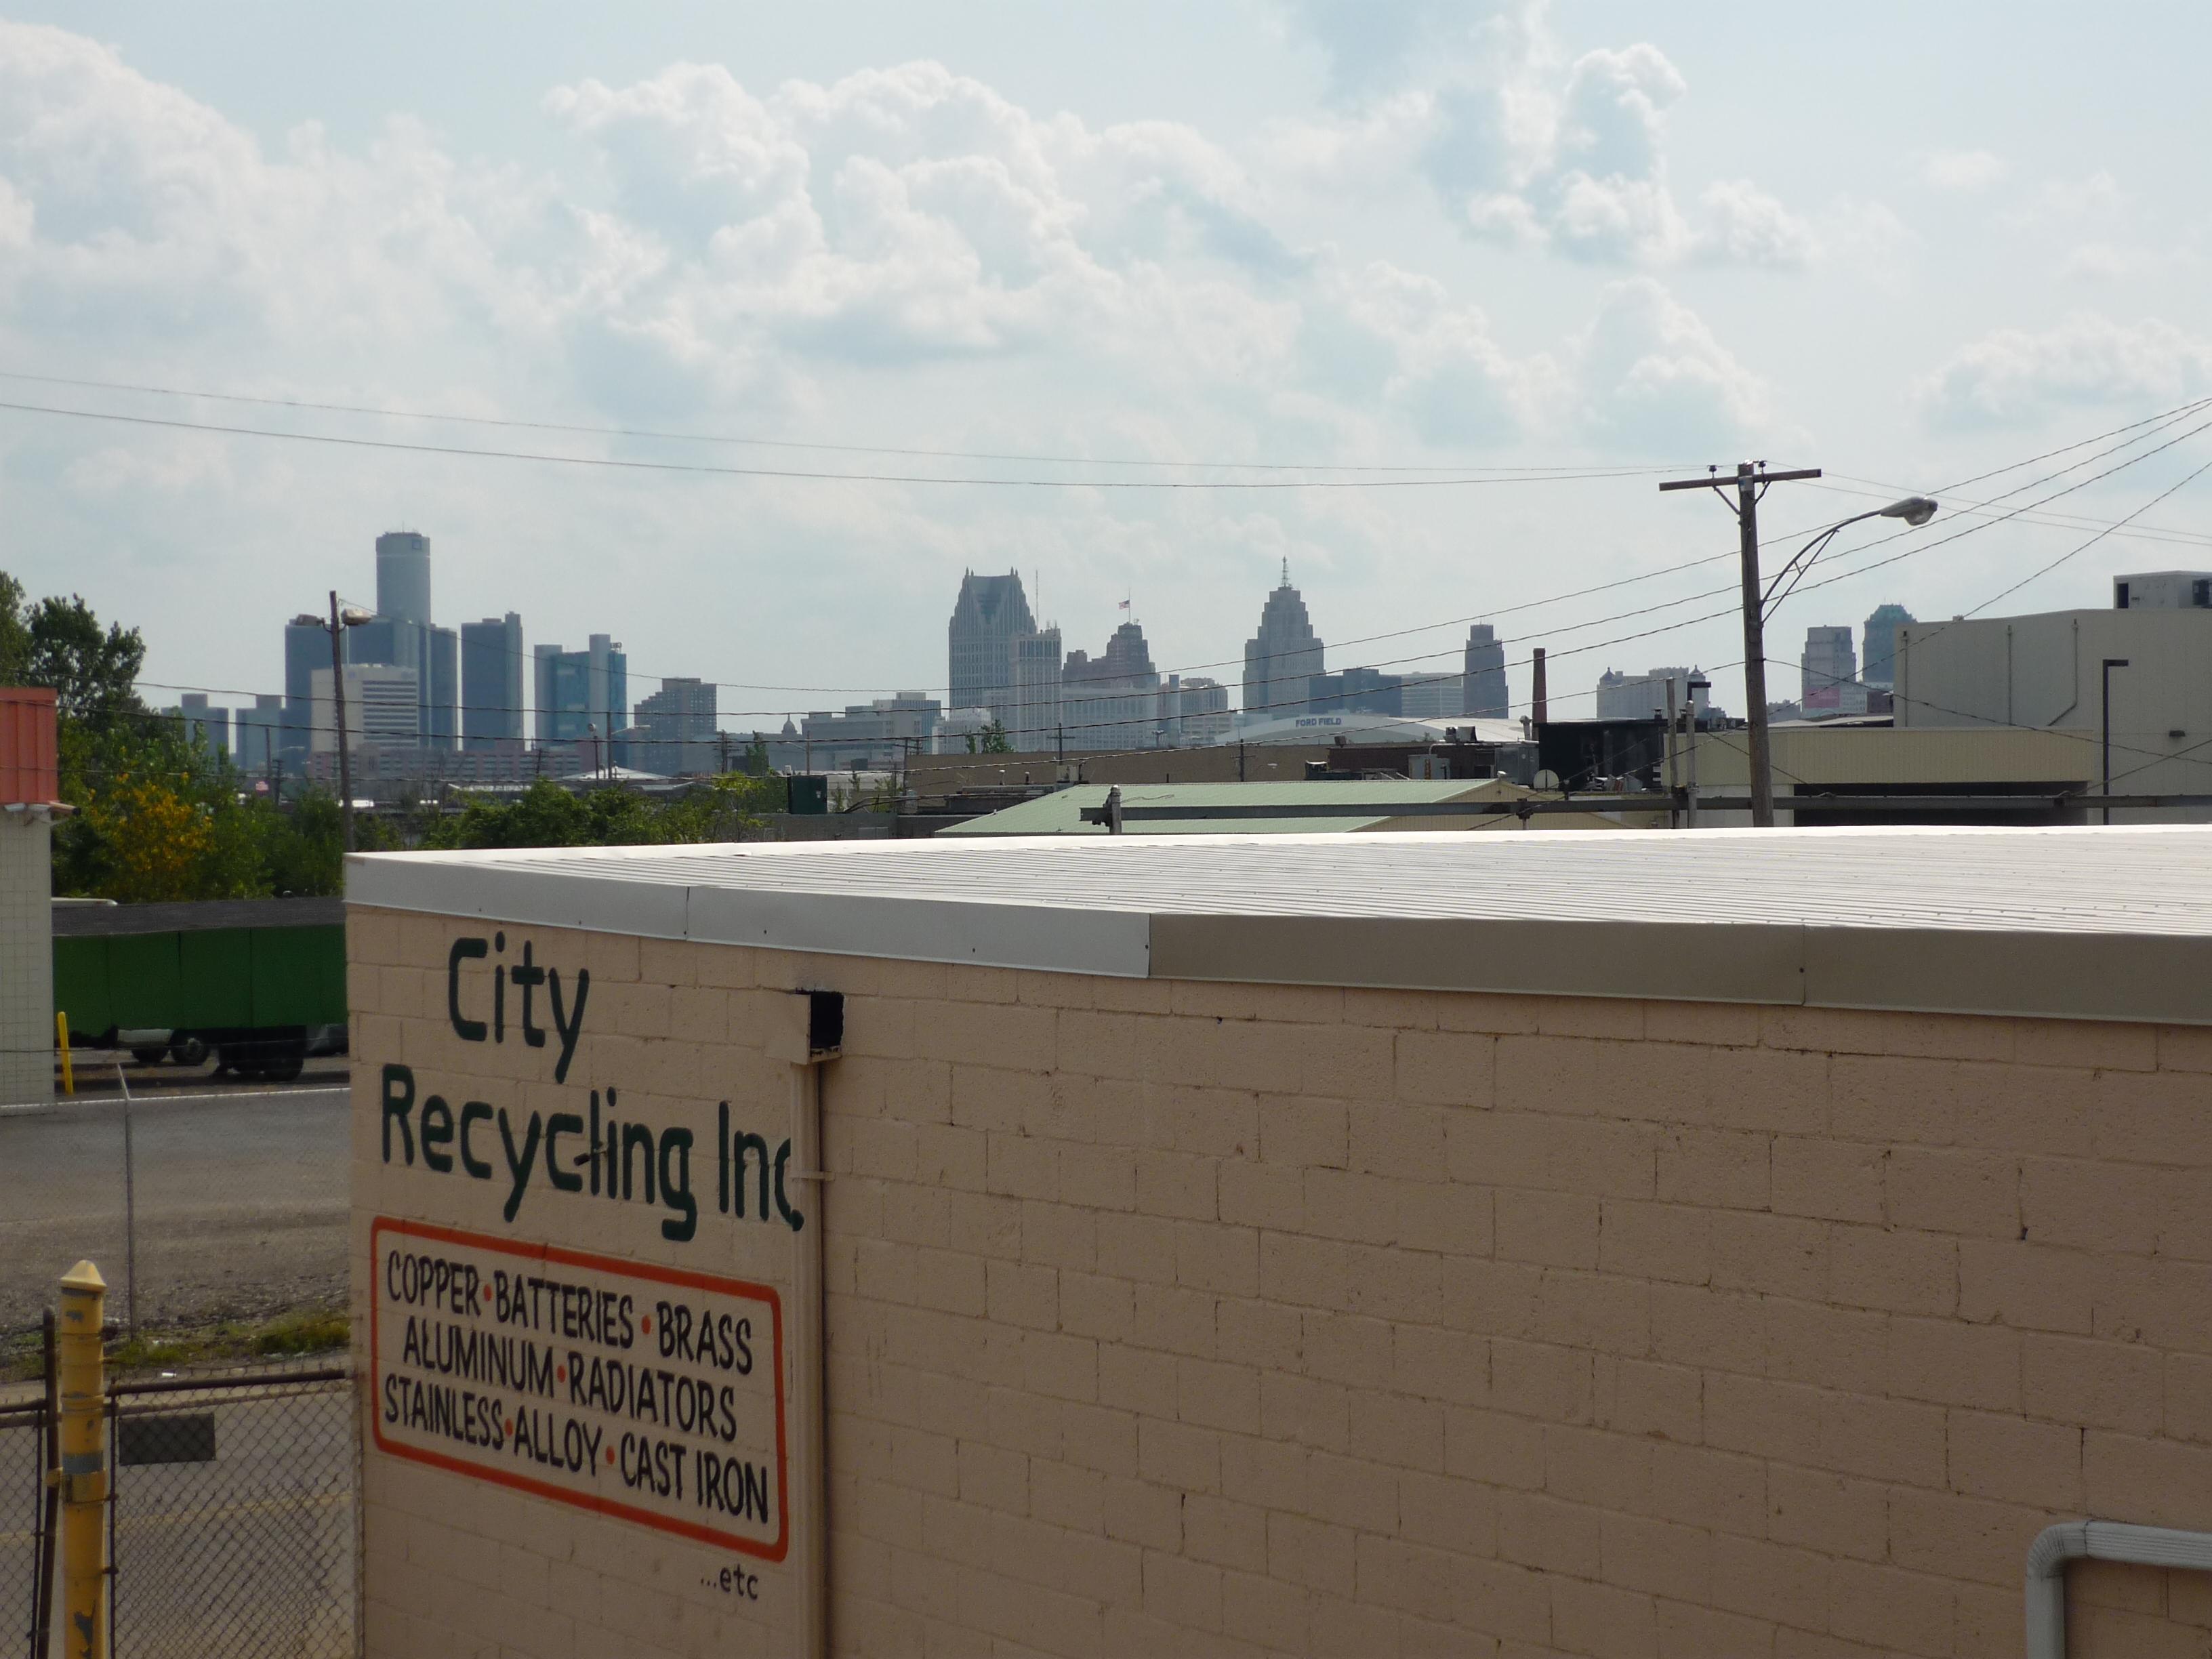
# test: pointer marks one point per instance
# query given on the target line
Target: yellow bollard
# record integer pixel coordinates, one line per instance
(61, 1035)
(83, 1472)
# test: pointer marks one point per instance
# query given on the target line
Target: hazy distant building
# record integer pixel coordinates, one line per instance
(491, 682)
(1201, 714)
(403, 576)
(1354, 691)
(382, 707)
(1282, 659)
(990, 615)
(1632, 697)
(257, 735)
(1033, 712)
(579, 694)
(306, 647)
(674, 733)
(1879, 636)
(1487, 696)
(1830, 671)
(198, 723)
(1430, 696)
(1112, 700)
(870, 736)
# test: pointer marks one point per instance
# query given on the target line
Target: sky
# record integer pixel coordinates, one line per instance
(1430, 266)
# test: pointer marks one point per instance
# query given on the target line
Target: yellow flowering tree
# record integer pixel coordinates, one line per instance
(158, 844)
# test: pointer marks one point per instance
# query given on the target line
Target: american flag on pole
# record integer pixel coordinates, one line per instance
(1124, 605)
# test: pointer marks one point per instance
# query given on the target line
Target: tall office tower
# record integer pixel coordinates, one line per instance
(403, 576)
(306, 647)
(1426, 695)
(198, 723)
(259, 731)
(1113, 701)
(1281, 657)
(381, 707)
(1205, 711)
(675, 730)
(991, 613)
(1487, 696)
(491, 682)
(1036, 704)
(1634, 696)
(1880, 652)
(580, 693)
(1829, 664)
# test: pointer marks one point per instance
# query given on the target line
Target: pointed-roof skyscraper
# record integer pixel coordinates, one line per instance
(1282, 658)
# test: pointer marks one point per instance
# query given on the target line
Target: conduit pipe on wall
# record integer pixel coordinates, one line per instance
(2099, 1540)
(809, 1039)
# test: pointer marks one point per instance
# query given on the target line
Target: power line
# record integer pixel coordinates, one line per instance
(618, 464)
(767, 443)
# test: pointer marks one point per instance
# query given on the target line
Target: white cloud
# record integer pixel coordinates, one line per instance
(2015, 377)
(1652, 374)
(1962, 170)
(1527, 148)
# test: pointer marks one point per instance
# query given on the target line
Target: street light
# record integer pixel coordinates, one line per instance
(1915, 510)
(342, 617)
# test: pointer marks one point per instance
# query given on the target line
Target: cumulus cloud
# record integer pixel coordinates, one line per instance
(1962, 170)
(1528, 148)
(2015, 376)
(901, 255)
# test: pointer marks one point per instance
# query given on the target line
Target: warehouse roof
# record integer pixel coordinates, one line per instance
(2094, 923)
(1061, 813)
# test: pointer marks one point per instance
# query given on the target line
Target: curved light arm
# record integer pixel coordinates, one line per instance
(1915, 510)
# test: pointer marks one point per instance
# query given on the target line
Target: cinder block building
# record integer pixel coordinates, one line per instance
(1700, 1244)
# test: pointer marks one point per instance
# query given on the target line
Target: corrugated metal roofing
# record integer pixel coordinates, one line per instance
(2100, 923)
(1061, 813)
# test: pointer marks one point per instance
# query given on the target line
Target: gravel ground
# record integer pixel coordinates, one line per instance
(242, 1203)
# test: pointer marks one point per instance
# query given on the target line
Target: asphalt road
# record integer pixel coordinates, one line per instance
(241, 1200)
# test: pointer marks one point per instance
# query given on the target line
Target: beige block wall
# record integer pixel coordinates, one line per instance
(1173, 1317)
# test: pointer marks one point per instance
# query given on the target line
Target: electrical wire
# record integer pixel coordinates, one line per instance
(1632, 469)
(620, 463)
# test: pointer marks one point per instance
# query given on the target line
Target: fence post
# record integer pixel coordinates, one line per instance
(83, 1471)
(61, 1036)
(129, 1213)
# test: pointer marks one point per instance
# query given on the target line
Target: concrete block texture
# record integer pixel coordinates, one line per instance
(1281, 1320)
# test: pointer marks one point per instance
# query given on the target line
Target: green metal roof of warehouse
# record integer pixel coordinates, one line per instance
(1060, 812)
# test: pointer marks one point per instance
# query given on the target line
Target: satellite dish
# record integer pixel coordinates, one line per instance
(1547, 781)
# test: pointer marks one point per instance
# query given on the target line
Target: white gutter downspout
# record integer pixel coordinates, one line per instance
(2098, 1540)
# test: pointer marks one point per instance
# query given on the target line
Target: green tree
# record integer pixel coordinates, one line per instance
(995, 741)
(94, 672)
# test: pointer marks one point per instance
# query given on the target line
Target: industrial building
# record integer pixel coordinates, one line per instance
(1616, 1244)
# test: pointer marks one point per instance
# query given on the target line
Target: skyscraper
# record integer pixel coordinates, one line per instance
(991, 613)
(491, 682)
(1112, 700)
(1487, 696)
(675, 730)
(579, 693)
(1282, 657)
(306, 647)
(1881, 637)
(403, 576)
(1035, 705)
(1831, 672)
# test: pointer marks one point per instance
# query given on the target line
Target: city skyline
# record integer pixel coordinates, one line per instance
(1303, 242)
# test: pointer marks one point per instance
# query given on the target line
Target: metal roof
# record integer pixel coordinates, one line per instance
(1061, 813)
(2101, 923)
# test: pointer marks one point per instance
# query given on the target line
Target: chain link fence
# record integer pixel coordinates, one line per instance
(235, 1520)
(223, 1207)
(22, 1521)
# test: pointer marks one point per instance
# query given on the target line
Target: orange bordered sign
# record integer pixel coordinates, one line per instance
(651, 1393)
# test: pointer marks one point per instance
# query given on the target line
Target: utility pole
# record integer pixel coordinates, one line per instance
(337, 702)
(1751, 482)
